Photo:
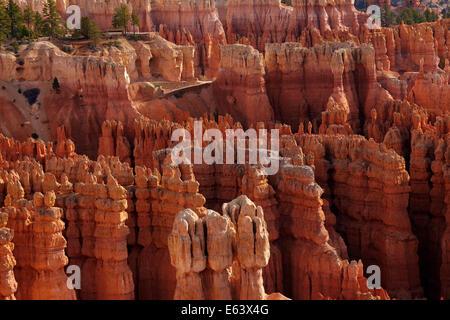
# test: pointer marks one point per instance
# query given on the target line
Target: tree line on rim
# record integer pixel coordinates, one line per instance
(18, 24)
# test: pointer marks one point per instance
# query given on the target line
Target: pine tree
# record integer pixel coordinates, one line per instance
(89, 30)
(135, 22)
(388, 17)
(56, 85)
(430, 16)
(38, 24)
(216, 115)
(122, 18)
(3, 22)
(94, 33)
(28, 16)
(84, 27)
(52, 19)
(14, 17)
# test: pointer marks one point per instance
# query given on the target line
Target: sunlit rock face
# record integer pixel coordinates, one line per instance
(87, 176)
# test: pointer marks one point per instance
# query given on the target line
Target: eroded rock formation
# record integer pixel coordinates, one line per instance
(306, 250)
(445, 283)
(237, 243)
(363, 180)
(336, 78)
(192, 22)
(48, 281)
(8, 284)
(239, 89)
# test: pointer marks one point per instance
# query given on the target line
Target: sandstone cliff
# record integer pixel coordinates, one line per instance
(240, 89)
(305, 246)
(304, 82)
(192, 22)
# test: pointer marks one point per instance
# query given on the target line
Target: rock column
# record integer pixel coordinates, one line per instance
(49, 281)
(114, 280)
(8, 284)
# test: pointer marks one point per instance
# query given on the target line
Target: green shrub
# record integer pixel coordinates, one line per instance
(15, 46)
(56, 85)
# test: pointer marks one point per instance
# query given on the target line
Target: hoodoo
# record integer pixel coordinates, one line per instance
(315, 150)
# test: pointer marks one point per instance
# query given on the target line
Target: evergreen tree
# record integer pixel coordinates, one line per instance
(38, 24)
(3, 22)
(28, 16)
(388, 17)
(430, 16)
(89, 30)
(408, 16)
(216, 115)
(412, 16)
(122, 18)
(442, 63)
(56, 85)
(52, 19)
(135, 22)
(14, 17)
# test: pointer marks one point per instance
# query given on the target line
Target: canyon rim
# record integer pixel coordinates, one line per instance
(318, 146)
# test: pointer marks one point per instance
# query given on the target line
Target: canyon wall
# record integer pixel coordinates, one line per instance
(192, 22)
(411, 62)
(445, 282)
(39, 244)
(312, 268)
(304, 82)
(364, 217)
(91, 88)
(240, 88)
(379, 198)
(308, 22)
